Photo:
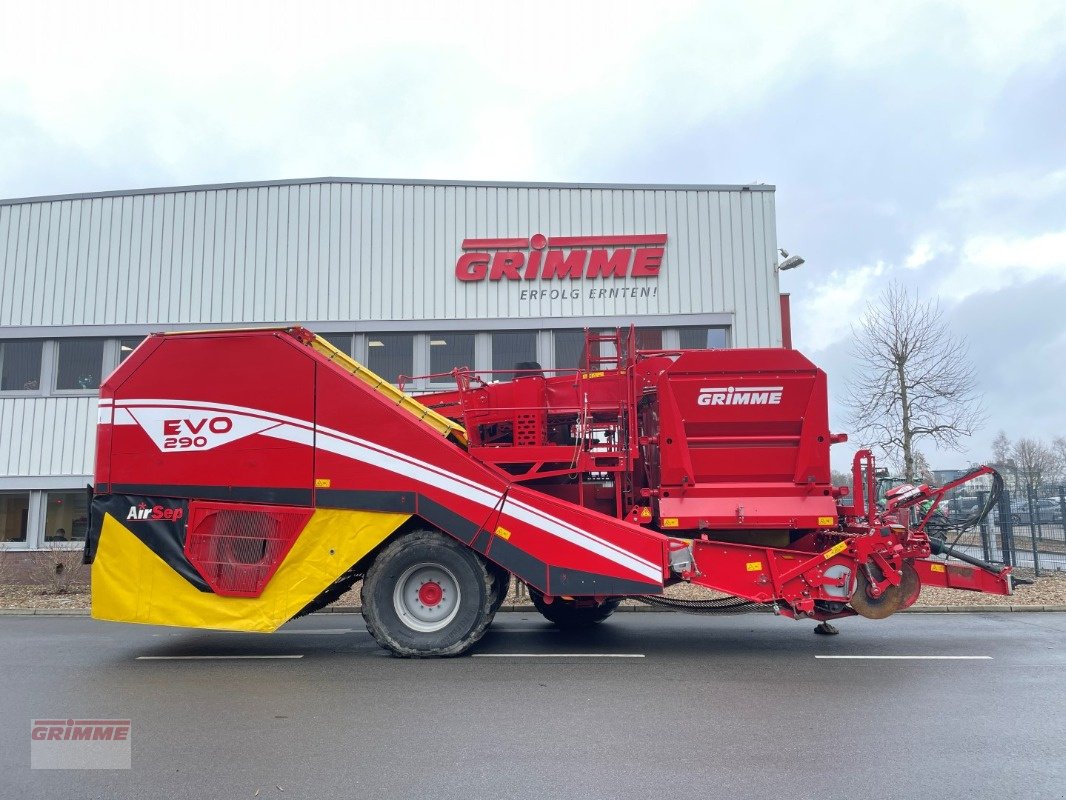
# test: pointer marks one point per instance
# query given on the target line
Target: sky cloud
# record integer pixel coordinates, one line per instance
(836, 304)
(990, 263)
(925, 250)
(979, 194)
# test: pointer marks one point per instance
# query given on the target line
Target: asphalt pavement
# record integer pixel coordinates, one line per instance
(645, 706)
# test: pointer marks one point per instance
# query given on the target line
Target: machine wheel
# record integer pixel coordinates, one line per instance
(501, 584)
(892, 599)
(426, 595)
(573, 613)
(911, 585)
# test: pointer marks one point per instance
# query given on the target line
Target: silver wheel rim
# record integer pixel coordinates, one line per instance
(426, 597)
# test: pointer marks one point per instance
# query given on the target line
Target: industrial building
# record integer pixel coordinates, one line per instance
(414, 278)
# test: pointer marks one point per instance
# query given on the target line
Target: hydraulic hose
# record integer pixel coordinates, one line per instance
(941, 548)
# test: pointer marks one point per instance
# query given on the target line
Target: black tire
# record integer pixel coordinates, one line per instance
(501, 584)
(573, 613)
(393, 593)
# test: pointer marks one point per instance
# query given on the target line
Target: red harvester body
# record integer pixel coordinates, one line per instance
(257, 474)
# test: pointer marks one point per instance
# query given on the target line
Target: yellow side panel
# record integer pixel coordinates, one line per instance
(130, 583)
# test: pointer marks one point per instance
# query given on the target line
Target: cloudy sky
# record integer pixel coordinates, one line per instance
(923, 142)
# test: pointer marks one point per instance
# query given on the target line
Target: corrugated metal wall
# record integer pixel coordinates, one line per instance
(47, 436)
(343, 251)
(340, 251)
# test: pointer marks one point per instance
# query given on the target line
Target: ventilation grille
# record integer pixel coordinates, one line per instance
(237, 548)
(527, 430)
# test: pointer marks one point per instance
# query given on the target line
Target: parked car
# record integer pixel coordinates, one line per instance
(964, 506)
(1046, 509)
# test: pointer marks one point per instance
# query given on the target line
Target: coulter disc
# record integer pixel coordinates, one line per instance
(892, 599)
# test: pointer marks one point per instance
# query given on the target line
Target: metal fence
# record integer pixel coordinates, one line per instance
(1025, 529)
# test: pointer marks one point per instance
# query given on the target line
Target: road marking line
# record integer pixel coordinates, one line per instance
(204, 658)
(558, 655)
(914, 658)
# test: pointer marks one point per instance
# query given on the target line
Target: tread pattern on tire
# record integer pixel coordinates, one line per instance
(500, 586)
(457, 637)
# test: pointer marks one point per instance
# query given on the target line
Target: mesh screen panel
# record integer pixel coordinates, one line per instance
(237, 548)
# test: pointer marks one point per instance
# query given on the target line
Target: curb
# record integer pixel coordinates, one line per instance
(977, 609)
(970, 609)
(44, 612)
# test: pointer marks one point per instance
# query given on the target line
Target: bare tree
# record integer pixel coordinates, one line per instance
(1035, 462)
(7, 565)
(1003, 459)
(1001, 447)
(59, 567)
(915, 380)
(841, 478)
(922, 471)
(1058, 446)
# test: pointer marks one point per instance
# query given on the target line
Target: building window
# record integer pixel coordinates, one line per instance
(646, 339)
(342, 341)
(127, 346)
(448, 351)
(703, 338)
(20, 365)
(509, 349)
(66, 517)
(14, 515)
(80, 364)
(390, 354)
(569, 348)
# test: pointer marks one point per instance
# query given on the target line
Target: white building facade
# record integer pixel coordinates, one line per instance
(413, 278)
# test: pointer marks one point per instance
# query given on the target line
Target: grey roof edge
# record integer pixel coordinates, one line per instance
(207, 187)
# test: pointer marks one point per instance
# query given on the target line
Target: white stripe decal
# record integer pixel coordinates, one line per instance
(541, 518)
(344, 444)
(480, 495)
(291, 433)
(586, 540)
(572, 529)
(197, 405)
(204, 405)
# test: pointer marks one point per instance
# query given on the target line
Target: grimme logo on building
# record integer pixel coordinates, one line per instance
(542, 258)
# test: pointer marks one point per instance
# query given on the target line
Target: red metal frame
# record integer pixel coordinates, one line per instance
(713, 470)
